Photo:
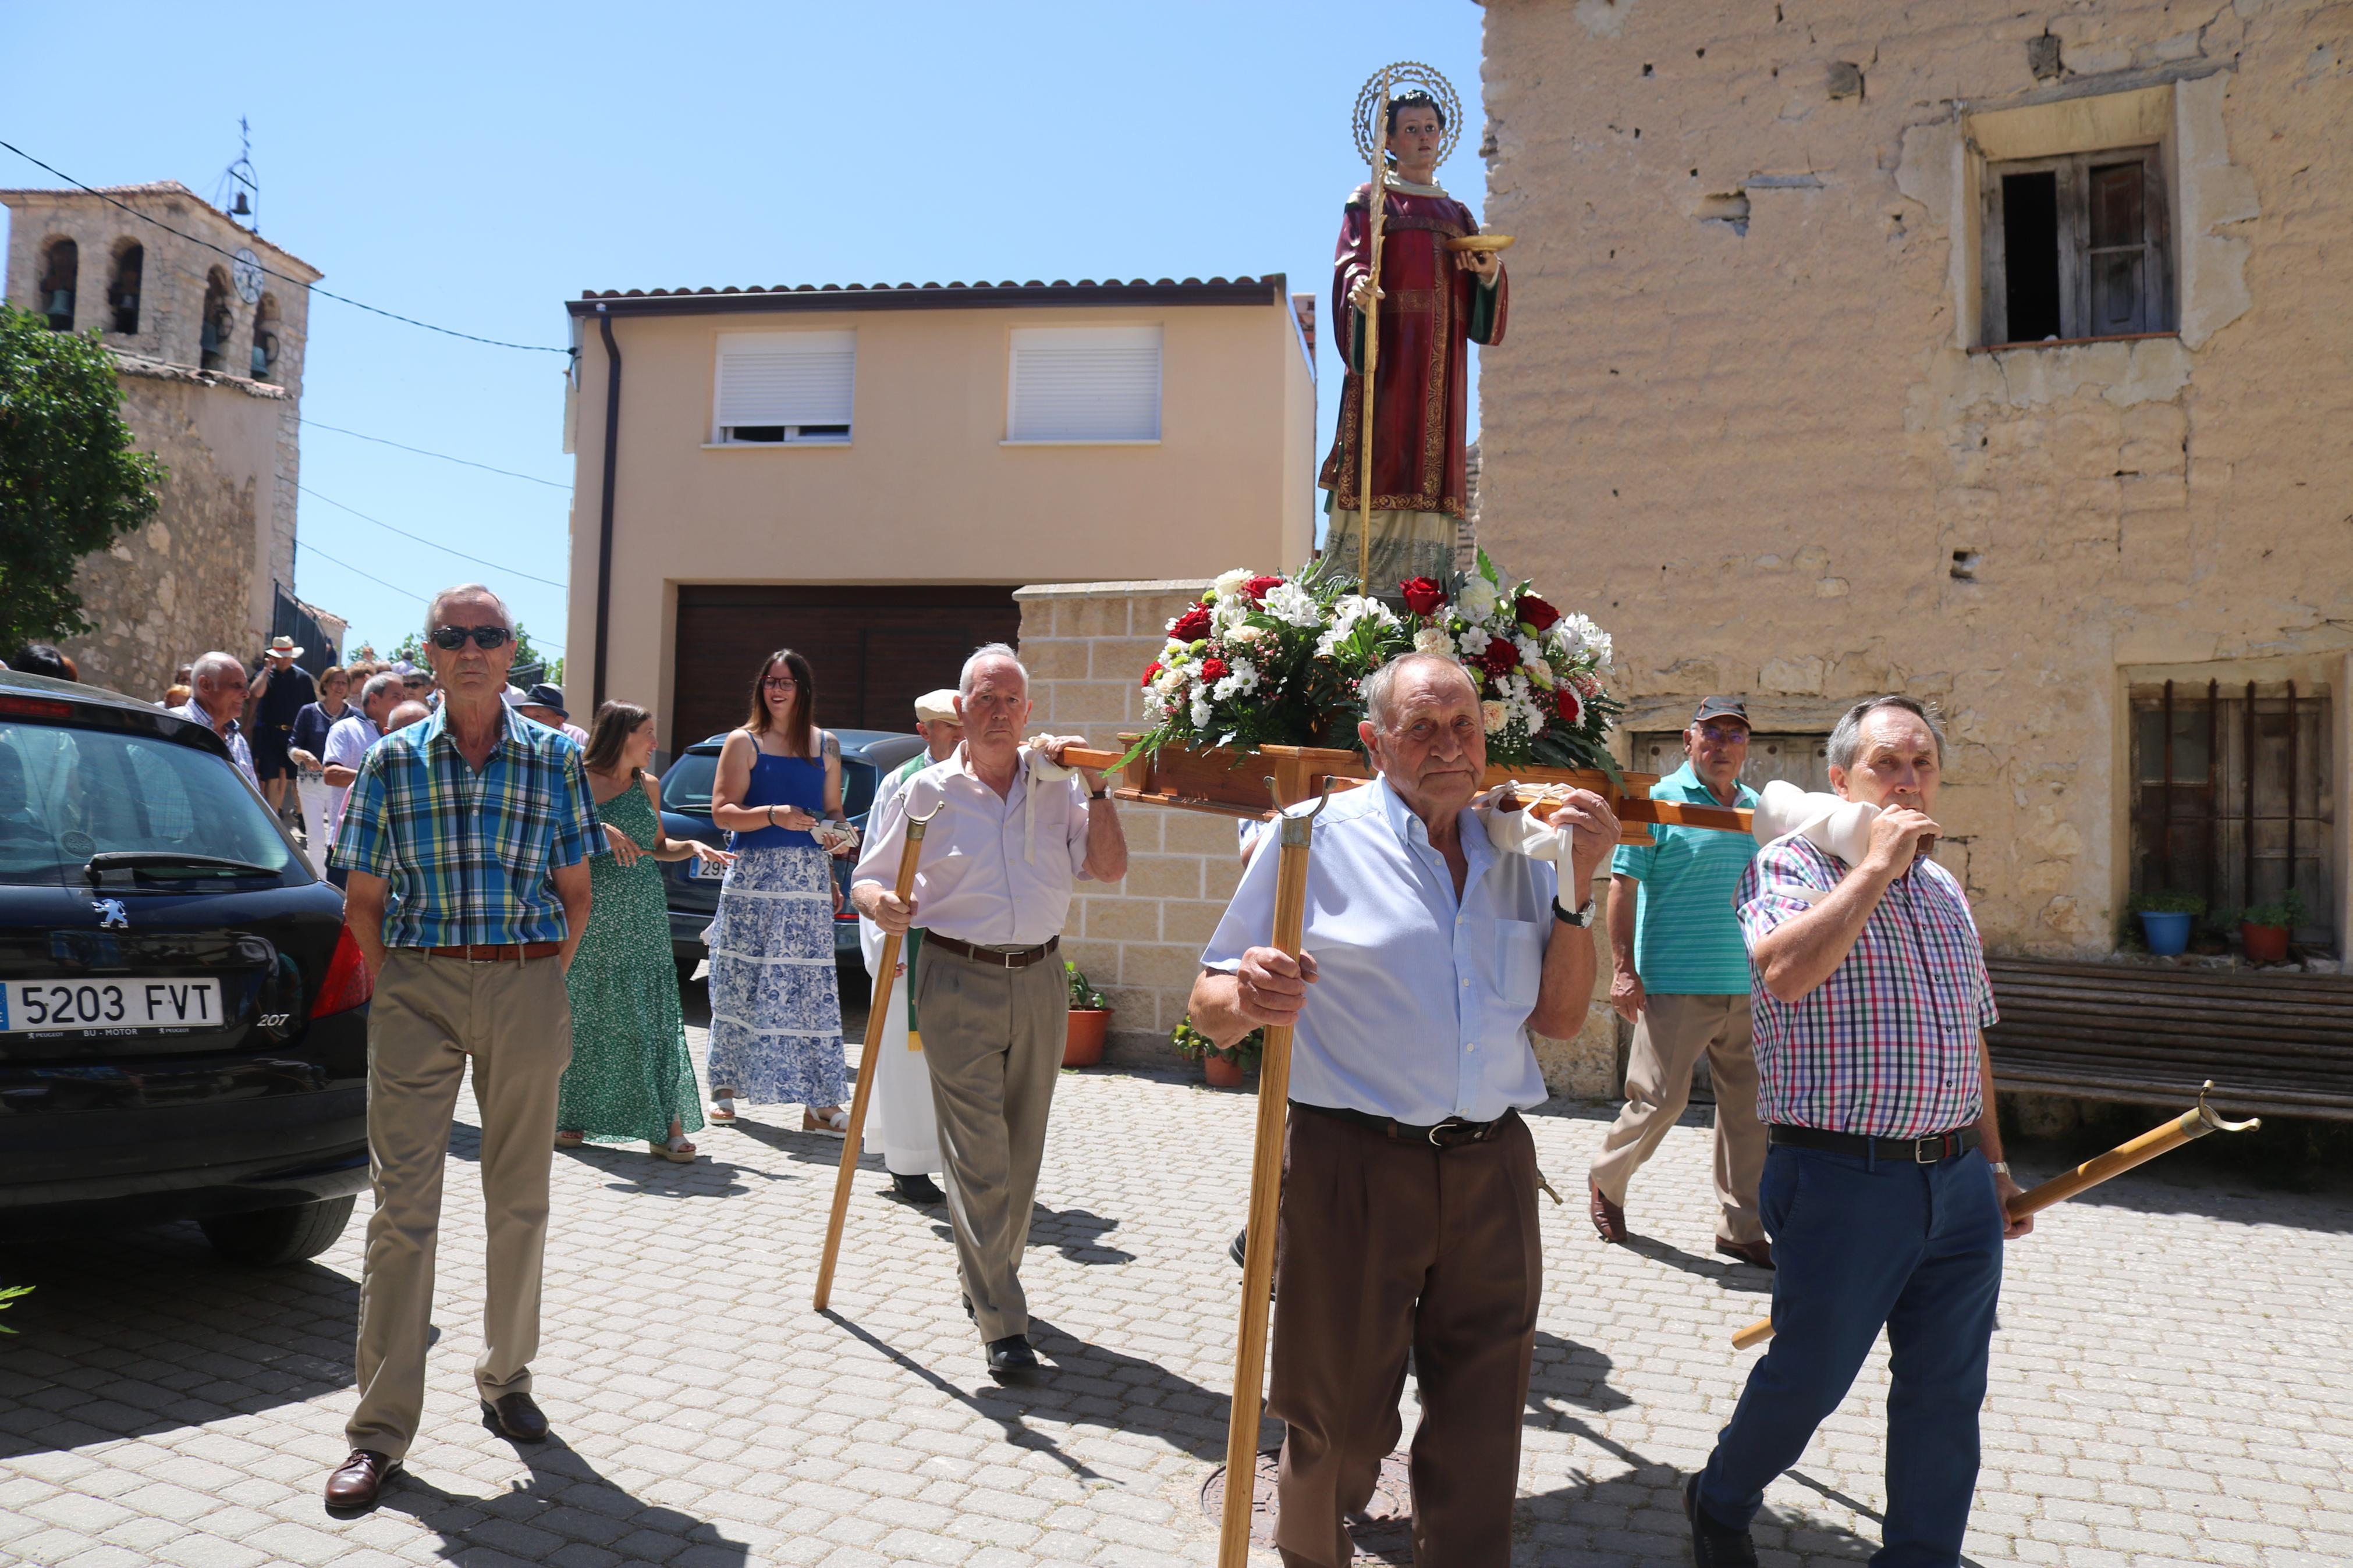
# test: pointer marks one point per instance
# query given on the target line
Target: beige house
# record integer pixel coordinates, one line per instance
(1996, 357)
(867, 474)
(209, 340)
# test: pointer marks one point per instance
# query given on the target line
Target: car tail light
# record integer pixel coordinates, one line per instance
(348, 984)
(35, 708)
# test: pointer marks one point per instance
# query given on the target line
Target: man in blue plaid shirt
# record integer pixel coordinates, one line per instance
(467, 839)
(1883, 1186)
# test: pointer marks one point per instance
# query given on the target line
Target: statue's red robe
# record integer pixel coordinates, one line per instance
(1429, 308)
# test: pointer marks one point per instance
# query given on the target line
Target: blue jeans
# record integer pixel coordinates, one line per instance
(1861, 1244)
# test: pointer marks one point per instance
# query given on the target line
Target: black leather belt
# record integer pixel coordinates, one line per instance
(1451, 1133)
(996, 958)
(1925, 1151)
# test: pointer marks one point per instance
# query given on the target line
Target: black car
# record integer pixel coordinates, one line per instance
(183, 1017)
(866, 757)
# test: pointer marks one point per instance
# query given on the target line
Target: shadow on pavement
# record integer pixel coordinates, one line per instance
(1732, 1276)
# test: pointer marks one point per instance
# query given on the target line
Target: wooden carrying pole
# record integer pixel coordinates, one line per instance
(2162, 1140)
(1376, 212)
(1266, 1191)
(885, 975)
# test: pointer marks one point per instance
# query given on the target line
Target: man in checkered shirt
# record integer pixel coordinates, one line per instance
(1871, 997)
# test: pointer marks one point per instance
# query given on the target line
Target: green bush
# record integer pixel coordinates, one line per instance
(2287, 911)
(2167, 903)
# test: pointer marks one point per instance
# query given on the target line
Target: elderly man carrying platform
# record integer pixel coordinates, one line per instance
(1874, 1082)
(1683, 981)
(466, 837)
(1409, 1219)
(1014, 830)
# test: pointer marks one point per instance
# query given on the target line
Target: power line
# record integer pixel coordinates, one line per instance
(406, 592)
(445, 456)
(477, 560)
(329, 293)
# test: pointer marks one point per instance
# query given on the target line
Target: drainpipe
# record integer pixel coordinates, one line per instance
(604, 502)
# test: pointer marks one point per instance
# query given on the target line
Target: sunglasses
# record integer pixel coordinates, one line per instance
(1723, 734)
(485, 637)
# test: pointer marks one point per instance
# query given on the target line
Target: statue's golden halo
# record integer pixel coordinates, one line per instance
(1404, 76)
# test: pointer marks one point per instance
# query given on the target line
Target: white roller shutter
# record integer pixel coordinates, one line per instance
(1084, 384)
(789, 379)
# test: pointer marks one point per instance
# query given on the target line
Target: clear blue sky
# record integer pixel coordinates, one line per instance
(476, 165)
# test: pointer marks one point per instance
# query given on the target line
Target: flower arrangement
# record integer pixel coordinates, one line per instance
(1268, 660)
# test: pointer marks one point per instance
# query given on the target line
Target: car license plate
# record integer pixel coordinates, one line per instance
(696, 871)
(42, 1005)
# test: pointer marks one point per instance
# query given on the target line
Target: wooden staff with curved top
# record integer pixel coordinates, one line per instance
(2195, 1122)
(885, 973)
(1377, 209)
(1295, 833)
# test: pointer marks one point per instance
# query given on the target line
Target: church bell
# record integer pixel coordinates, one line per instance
(61, 303)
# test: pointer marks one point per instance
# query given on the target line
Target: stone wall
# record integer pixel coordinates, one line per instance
(1140, 941)
(1743, 419)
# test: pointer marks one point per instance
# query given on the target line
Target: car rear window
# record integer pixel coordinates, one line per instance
(858, 781)
(67, 793)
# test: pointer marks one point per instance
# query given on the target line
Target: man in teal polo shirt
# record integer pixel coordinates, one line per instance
(1682, 981)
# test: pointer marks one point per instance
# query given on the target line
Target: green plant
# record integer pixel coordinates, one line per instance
(2167, 903)
(71, 484)
(1193, 1045)
(2286, 912)
(8, 1297)
(1084, 997)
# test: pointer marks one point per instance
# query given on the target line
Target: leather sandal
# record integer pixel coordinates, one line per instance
(834, 1126)
(678, 1150)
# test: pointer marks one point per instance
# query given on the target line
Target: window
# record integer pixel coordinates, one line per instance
(58, 265)
(212, 336)
(2231, 798)
(788, 388)
(2077, 246)
(122, 294)
(1084, 384)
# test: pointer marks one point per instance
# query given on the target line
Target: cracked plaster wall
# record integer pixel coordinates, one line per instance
(1735, 418)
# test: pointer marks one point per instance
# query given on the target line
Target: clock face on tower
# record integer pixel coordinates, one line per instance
(245, 272)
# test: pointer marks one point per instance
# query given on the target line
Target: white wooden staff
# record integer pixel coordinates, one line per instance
(1266, 1192)
(2162, 1140)
(885, 975)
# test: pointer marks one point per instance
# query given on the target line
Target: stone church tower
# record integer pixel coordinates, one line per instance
(210, 349)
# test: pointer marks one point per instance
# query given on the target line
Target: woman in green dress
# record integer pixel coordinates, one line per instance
(630, 1077)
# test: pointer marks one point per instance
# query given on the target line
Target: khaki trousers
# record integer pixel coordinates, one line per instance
(1668, 1039)
(1386, 1245)
(429, 1015)
(994, 1039)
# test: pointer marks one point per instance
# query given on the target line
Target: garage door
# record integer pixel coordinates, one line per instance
(874, 650)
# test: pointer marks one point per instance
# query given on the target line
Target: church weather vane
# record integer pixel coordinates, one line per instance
(1409, 491)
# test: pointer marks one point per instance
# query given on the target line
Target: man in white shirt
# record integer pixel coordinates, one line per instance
(1408, 1217)
(348, 740)
(219, 685)
(991, 891)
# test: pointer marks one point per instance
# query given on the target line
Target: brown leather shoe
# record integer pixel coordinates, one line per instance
(517, 1417)
(1758, 1253)
(359, 1480)
(1608, 1218)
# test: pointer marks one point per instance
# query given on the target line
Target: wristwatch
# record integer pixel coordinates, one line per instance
(1097, 794)
(2000, 1167)
(1583, 917)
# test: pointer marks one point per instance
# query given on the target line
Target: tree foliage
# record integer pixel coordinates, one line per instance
(69, 483)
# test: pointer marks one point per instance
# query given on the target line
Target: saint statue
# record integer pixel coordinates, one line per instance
(1432, 301)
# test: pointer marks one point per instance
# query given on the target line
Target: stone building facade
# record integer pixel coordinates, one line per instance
(1997, 357)
(212, 384)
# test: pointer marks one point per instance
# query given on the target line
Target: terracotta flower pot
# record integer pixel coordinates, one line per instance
(2263, 945)
(1084, 1048)
(1221, 1073)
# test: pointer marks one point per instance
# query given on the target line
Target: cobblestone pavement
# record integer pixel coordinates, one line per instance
(2171, 1381)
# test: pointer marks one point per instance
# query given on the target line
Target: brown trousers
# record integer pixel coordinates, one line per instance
(430, 1016)
(1386, 1245)
(1668, 1043)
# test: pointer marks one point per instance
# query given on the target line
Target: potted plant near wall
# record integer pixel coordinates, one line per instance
(2263, 928)
(2166, 919)
(1220, 1069)
(1089, 1020)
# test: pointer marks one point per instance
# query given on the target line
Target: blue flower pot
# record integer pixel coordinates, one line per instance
(2167, 933)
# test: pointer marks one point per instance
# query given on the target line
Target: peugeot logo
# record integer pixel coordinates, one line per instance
(112, 915)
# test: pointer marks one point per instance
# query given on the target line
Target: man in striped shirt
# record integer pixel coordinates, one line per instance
(1871, 996)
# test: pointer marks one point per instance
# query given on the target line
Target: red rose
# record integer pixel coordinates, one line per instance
(1534, 613)
(1255, 590)
(1194, 623)
(1422, 595)
(1149, 675)
(1214, 669)
(1501, 658)
(1567, 704)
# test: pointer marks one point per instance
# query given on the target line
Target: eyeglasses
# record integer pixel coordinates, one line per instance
(485, 637)
(1722, 734)
(781, 683)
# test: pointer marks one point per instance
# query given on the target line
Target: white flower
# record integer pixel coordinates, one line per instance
(1293, 604)
(1431, 639)
(1229, 584)
(1228, 613)
(1200, 714)
(1171, 684)
(1477, 600)
(1495, 714)
(1474, 641)
(1246, 636)
(1531, 651)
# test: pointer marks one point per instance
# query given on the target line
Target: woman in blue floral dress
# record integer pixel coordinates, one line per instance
(776, 1012)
